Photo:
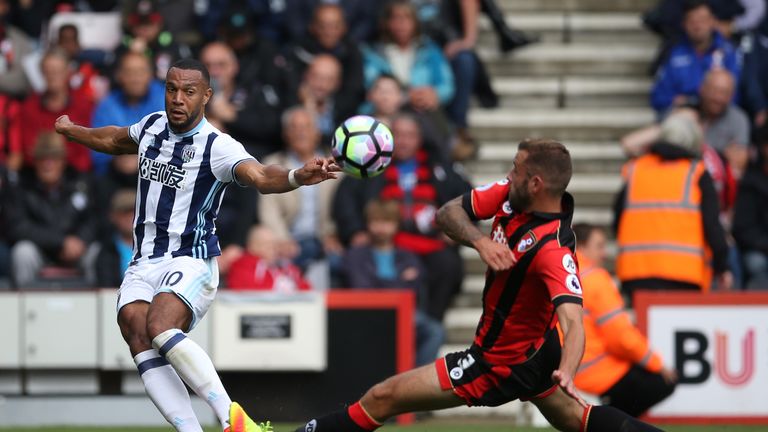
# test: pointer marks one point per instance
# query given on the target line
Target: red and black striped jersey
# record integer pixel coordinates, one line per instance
(519, 303)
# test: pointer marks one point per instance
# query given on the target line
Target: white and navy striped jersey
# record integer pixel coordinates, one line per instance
(182, 179)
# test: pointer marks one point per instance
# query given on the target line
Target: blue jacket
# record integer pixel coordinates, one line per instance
(754, 82)
(684, 70)
(113, 111)
(430, 68)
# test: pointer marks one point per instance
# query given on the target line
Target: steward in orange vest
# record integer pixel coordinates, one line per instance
(618, 365)
(667, 222)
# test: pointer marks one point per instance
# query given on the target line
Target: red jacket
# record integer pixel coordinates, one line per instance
(35, 119)
(250, 272)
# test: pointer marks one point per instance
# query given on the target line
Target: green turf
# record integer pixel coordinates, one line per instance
(424, 427)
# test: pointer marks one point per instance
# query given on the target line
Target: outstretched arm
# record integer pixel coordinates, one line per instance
(570, 317)
(455, 222)
(277, 179)
(109, 139)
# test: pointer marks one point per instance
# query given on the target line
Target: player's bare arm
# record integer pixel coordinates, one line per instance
(570, 317)
(455, 222)
(109, 139)
(277, 179)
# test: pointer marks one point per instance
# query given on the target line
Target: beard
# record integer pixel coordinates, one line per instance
(520, 199)
(181, 126)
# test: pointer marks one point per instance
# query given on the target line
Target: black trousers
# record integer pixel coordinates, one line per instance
(637, 391)
(445, 273)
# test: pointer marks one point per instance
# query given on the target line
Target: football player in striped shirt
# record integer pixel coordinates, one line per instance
(185, 164)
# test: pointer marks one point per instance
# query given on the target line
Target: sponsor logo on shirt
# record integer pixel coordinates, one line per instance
(569, 264)
(573, 284)
(162, 172)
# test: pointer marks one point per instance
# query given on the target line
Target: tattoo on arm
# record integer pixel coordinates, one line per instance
(455, 222)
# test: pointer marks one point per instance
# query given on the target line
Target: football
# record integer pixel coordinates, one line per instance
(362, 146)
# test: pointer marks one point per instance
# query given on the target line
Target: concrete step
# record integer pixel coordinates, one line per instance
(580, 150)
(572, 92)
(576, 27)
(511, 7)
(511, 124)
(608, 58)
(588, 157)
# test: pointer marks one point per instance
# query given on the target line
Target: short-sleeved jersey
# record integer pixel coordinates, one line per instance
(182, 179)
(519, 303)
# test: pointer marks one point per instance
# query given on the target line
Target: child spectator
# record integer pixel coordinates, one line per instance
(384, 265)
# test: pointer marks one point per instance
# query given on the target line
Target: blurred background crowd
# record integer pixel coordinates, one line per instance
(286, 72)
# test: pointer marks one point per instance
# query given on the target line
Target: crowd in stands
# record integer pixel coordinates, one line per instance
(709, 96)
(284, 75)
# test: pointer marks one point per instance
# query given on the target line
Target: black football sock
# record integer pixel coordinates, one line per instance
(352, 419)
(602, 418)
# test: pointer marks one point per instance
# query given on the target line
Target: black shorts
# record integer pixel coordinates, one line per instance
(481, 383)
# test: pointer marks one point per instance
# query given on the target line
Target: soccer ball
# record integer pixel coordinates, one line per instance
(362, 146)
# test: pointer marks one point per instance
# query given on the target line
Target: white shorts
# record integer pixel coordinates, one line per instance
(193, 280)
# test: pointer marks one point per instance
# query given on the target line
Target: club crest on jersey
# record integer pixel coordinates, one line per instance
(188, 153)
(527, 242)
(161, 172)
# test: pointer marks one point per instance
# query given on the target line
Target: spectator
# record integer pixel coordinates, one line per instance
(750, 222)
(179, 18)
(667, 217)
(114, 251)
(319, 93)
(42, 110)
(301, 219)
(726, 127)
(381, 264)
(618, 363)
(414, 60)
(263, 268)
(236, 103)
(328, 35)
(637, 143)
(145, 34)
(258, 61)
(701, 49)
(121, 174)
(10, 133)
(360, 14)
(51, 212)
(421, 184)
(386, 98)
(754, 82)
(14, 47)
(85, 80)
(455, 27)
(137, 93)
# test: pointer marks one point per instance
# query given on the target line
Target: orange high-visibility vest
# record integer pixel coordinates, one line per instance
(661, 231)
(614, 344)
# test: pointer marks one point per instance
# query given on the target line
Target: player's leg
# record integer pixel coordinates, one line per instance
(566, 414)
(416, 390)
(637, 391)
(163, 385)
(186, 291)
